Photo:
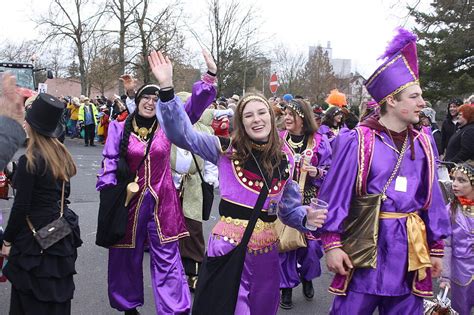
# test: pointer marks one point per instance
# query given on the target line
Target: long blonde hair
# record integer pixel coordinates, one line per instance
(56, 157)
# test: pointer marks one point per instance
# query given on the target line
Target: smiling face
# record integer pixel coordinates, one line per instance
(147, 106)
(453, 110)
(257, 122)
(462, 185)
(293, 122)
(408, 106)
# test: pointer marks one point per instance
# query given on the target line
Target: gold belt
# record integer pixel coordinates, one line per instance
(259, 226)
(418, 253)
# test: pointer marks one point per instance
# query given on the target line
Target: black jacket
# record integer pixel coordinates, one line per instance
(461, 145)
(447, 131)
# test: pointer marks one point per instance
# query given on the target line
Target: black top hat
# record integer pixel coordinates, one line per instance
(44, 115)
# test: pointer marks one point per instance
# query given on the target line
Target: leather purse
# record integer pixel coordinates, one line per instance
(55, 231)
(290, 238)
(361, 227)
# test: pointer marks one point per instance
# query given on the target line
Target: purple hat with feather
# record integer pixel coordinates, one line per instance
(399, 70)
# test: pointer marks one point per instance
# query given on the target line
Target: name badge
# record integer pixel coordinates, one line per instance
(401, 184)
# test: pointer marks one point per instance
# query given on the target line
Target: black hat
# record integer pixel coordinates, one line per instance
(147, 89)
(44, 115)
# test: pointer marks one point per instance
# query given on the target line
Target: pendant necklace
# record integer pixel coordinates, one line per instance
(142, 132)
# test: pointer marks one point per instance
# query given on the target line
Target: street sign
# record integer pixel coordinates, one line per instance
(274, 83)
(42, 88)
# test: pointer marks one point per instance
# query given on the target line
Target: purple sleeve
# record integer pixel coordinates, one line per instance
(178, 129)
(106, 176)
(338, 186)
(290, 210)
(202, 96)
(323, 153)
(437, 221)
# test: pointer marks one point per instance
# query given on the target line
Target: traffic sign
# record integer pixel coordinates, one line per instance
(274, 83)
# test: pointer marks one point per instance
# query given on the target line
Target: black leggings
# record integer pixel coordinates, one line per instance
(89, 134)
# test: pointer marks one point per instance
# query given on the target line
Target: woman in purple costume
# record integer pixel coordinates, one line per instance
(459, 258)
(312, 154)
(253, 151)
(333, 123)
(154, 212)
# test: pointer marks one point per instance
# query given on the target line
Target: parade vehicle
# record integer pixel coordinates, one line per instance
(25, 76)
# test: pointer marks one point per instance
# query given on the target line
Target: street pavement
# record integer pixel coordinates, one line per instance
(91, 280)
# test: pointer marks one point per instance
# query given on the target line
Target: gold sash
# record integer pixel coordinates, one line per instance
(418, 253)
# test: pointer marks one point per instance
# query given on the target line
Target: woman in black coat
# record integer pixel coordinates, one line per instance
(461, 145)
(449, 126)
(42, 280)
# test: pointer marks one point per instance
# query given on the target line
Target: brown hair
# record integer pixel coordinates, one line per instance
(309, 125)
(272, 152)
(56, 157)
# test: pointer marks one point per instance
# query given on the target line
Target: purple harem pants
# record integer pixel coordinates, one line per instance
(365, 304)
(259, 285)
(462, 298)
(125, 275)
(308, 260)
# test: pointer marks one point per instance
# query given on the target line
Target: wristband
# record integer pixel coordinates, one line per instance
(6, 245)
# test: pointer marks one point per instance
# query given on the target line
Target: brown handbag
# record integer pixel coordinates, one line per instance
(54, 231)
(361, 227)
(290, 238)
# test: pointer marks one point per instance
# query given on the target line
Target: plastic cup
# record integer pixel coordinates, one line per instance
(316, 205)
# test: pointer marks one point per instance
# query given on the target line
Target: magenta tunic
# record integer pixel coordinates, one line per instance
(155, 174)
(154, 216)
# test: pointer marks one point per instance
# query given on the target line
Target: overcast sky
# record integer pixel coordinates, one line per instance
(357, 29)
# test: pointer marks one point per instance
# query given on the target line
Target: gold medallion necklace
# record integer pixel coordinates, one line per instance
(295, 145)
(142, 132)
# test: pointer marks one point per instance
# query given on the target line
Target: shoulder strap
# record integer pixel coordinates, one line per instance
(28, 221)
(197, 166)
(254, 217)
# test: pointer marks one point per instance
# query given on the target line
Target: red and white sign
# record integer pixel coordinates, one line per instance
(274, 83)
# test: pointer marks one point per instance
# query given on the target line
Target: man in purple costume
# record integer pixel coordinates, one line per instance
(413, 221)
(154, 212)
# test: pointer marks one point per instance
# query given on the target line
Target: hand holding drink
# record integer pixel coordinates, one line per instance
(316, 214)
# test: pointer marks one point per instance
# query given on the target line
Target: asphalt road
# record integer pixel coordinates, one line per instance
(91, 281)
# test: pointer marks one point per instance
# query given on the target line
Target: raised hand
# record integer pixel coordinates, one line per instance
(211, 65)
(162, 68)
(129, 82)
(11, 104)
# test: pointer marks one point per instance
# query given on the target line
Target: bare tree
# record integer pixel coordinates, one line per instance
(18, 52)
(66, 20)
(104, 69)
(154, 29)
(123, 11)
(289, 67)
(233, 28)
